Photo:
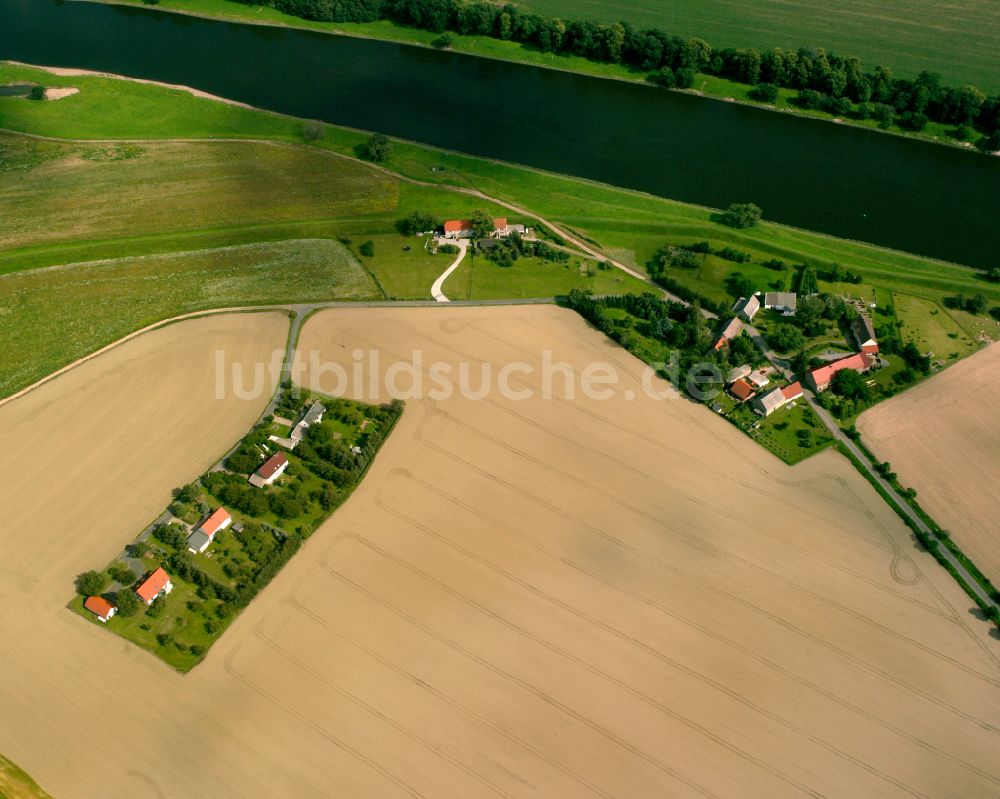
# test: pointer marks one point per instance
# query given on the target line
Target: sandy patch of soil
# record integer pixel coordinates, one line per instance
(59, 93)
(72, 72)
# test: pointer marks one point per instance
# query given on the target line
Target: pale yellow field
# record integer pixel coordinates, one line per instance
(543, 598)
(943, 439)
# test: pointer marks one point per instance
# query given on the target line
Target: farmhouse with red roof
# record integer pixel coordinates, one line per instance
(272, 469)
(742, 390)
(153, 586)
(199, 540)
(100, 607)
(819, 379)
(792, 392)
(458, 229)
(462, 228)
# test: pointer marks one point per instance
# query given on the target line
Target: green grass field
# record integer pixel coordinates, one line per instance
(958, 40)
(480, 279)
(53, 316)
(15, 783)
(164, 188)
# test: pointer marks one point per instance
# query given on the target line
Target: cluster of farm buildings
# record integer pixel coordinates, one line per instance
(463, 229)
(158, 582)
(746, 385)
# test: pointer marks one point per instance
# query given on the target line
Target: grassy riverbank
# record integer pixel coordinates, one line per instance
(488, 47)
(240, 193)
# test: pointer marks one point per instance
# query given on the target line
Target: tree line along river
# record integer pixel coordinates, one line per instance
(858, 184)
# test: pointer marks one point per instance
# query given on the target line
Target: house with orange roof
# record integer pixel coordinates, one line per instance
(101, 608)
(458, 229)
(776, 398)
(792, 392)
(199, 540)
(819, 379)
(742, 390)
(157, 584)
(462, 228)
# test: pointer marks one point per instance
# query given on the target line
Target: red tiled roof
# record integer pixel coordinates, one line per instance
(859, 361)
(742, 389)
(793, 391)
(455, 225)
(98, 605)
(271, 465)
(500, 224)
(215, 521)
(153, 585)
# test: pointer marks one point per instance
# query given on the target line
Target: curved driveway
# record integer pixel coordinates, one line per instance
(437, 289)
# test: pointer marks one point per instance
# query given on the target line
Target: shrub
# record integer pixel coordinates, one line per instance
(312, 131)
(367, 249)
(128, 603)
(764, 93)
(729, 254)
(741, 215)
(90, 583)
(378, 148)
(786, 337)
(418, 222)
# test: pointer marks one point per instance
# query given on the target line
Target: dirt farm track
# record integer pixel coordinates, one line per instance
(943, 438)
(525, 598)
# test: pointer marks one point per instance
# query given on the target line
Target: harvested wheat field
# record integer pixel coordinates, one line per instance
(942, 438)
(525, 598)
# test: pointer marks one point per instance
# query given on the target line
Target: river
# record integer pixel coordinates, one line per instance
(853, 183)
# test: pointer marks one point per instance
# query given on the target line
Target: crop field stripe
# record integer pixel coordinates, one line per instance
(906, 35)
(443, 697)
(632, 641)
(534, 542)
(471, 655)
(735, 598)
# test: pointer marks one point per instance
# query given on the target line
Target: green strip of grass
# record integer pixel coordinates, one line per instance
(16, 783)
(93, 304)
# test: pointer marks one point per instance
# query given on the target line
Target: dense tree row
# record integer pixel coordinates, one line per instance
(825, 80)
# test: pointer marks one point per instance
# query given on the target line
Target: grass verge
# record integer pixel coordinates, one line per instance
(15, 783)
